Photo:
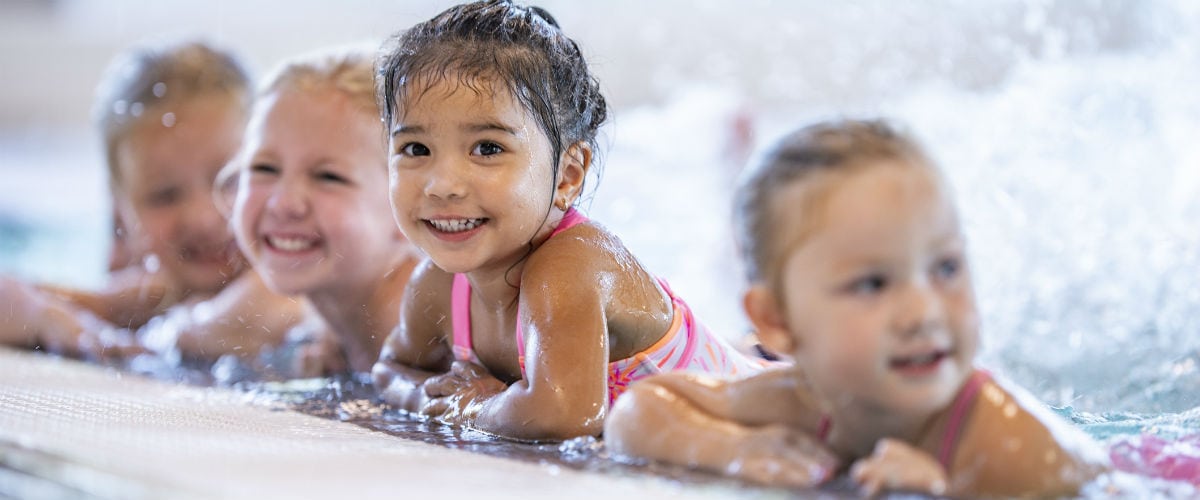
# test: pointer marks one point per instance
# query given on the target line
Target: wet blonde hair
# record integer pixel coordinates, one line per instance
(143, 79)
(834, 146)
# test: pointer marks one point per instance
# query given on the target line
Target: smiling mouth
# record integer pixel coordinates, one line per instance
(455, 225)
(208, 254)
(919, 362)
(291, 243)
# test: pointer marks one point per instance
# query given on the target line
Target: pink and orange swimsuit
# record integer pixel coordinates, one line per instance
(687, 345)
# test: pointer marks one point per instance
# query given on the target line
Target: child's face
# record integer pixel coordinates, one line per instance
(312, 211)
(877, 294)
(165, 194)
(471, 176)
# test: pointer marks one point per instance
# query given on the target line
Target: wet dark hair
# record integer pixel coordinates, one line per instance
(517, 46)
(822, 147)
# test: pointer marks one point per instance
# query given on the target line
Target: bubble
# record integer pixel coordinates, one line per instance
(120, 107)
(168, 119)
(136, 108)
(160, 89)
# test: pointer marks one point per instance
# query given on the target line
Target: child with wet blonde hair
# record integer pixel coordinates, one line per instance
(857, 268)
(312, 212)
(528, 318)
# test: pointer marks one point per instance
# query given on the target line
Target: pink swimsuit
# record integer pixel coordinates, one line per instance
(687, 345)
(958, 415)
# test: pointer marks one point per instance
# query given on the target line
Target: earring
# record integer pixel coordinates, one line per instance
(561, 204)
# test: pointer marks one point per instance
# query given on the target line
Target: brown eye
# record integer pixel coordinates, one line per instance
(487, 148)
(414, 149)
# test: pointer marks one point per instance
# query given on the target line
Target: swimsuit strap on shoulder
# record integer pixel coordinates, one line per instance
(460, 317)
(958, 414)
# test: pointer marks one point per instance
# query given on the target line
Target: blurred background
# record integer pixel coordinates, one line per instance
(1070, 129)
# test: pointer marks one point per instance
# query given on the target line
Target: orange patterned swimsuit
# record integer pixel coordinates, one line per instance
(687, 345)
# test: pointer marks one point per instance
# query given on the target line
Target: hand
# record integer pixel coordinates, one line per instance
(896, 465)
(780, 456)
(456, 397)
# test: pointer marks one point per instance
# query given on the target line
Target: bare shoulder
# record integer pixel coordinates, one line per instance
(1014, 445)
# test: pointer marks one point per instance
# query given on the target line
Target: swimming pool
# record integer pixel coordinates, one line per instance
(1068, 129)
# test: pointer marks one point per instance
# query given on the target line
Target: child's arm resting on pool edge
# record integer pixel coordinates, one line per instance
(758, 428)
(416, 350)
(564, 392)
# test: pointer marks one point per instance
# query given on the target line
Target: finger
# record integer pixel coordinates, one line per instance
(435, 407)
(442, 385)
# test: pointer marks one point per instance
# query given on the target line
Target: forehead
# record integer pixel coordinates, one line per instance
(179, 136)
(861, 205)
(483, 94)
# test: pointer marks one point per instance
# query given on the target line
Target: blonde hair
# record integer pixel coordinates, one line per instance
(834, 146)
(146, 77)
(349, 70)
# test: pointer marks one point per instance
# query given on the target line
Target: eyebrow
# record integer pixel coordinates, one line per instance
(474, 127)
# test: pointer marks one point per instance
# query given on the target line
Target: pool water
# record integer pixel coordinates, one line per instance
(1068, 129)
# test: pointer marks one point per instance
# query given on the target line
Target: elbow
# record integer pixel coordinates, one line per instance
(631, 417)
(550, 419)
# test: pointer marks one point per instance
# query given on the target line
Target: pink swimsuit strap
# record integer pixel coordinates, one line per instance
(958, 415)
(959, 408)
(460, 302)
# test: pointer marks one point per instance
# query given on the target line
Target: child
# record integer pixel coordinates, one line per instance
(171, 115)
(528, 319)
(312, 212)
(857, 267)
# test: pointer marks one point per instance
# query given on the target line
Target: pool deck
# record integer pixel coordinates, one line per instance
(73, 429)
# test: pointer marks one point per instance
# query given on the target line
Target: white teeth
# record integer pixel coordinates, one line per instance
(291, 244)
(455, 225)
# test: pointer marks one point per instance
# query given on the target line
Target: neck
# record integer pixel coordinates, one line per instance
(363, 316)
(497, 287)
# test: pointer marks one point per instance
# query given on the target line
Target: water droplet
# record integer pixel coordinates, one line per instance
(168, 119)
(160, 89)
(120, 107)
(136, 108)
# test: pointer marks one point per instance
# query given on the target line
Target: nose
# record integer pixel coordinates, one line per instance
(920, 309)
(288, 200)
(446, 179)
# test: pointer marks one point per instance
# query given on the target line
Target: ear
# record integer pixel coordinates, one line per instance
(767, 317)
(572, 169)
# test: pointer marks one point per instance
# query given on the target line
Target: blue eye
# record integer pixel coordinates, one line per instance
(487, 148)
(870, 284)
(947, 268)
(414, 149)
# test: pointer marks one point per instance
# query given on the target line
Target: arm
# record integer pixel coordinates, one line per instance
(32, 319)
(716, 425)
(1013, 445)
(130, 299)
(564, 393)
(417, 349)
(242, 319)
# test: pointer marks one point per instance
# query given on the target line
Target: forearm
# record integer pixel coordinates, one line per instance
(652, 422)
(520, 413)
